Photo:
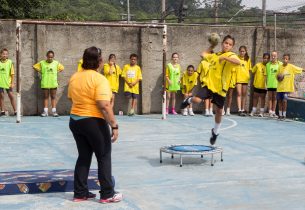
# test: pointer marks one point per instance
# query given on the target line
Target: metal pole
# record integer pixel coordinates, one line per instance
(128, 12)
(163, 11)
(216, 10)
(18, 69)
(163, 71)
(264, 13)
(274, 31)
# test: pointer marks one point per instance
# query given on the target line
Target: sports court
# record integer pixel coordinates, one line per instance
(263, 164)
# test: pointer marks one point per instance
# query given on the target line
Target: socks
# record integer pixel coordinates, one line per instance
(281, 113)
(216, 128)
(211, 111)
(207, 111)
(46, 110)
(53, 110)
(253, 110)
(262, 110)
(284, 113)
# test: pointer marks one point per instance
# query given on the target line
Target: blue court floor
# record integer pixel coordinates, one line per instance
(263, 164)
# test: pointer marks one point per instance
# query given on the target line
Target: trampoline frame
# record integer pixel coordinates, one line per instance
(215, 150)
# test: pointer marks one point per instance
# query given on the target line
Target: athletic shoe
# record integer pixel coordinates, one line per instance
(2, 113)
(185, 103)
(191, 113)
(174, 112)
(251, 114)
(228, 113)
(90, 195)
(55, 114)
(131, 112)
(243, 113)
(213, 137)
(273, 115)
(211, 114)
(184, 112)
(44, 114)
(117, 197)
(261, 115)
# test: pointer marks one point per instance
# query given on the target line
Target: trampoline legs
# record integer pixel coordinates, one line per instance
(201, 156)
(172, 156)
(221, 157)
(160, 156)
(180, 160)
(212, 160)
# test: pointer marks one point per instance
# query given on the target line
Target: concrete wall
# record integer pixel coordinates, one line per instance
(68, 43)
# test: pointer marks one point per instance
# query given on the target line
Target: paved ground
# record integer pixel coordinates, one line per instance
(263, 164)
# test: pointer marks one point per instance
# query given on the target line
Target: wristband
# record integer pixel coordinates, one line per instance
(115, 127)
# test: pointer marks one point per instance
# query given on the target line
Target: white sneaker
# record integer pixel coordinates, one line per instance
(251, 114)
(261, 115)
(44, 114)
(191, 113)
(184, 112)
(223, 112)
(117, 197)
(211, 113)
(55, 114)
(228, 113)
(207, 113)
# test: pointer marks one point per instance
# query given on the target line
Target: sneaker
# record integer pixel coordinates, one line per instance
(55, 114)
(191, 113)
(242, 113)
(228, 113)
(211, 114)
(166, 110)
(2, 113)
(117, 197)
(223, 112)
(44, 114)
(213, 137)
(174, 112)
(273, 115)
(184, 112)
(131, 112)
(251, 114)
(185, 103)
(90, 195)
(261, 115)
(15, 113)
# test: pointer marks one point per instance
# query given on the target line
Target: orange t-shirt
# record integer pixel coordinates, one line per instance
(85, 88)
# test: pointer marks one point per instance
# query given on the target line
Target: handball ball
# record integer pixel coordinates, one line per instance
(214, 38)
(280, 77)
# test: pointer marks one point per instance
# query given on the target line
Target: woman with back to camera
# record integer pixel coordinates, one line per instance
(91, 113)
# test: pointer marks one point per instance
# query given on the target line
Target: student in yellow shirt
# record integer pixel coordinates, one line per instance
(222, 65)
(132, 75)
(203, 70)
(259, 85)
(112, 72)
(285, 77)
(49, 69)
(80, 62)
(173, 70)
(188, 82)
(242, 79)
(6, 79)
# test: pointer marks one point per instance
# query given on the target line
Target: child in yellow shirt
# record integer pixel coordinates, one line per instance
(259, 85)
(112, 72)
(203, 70)
(242, 79)
(132, 75)
(285, 77)
(188, 81)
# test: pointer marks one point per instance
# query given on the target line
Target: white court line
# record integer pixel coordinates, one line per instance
(167, 135)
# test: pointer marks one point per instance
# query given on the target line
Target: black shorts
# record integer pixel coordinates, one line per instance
(7, 90)
(271, 89)
(131, 95)
(204, 93)
(258, 90)
(49, 88)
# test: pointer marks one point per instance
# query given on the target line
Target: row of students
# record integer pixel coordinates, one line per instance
(131, 73)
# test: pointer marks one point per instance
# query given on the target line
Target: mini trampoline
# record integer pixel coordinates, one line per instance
(182, 150)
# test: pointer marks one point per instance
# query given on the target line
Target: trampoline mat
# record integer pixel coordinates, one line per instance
(191, 148)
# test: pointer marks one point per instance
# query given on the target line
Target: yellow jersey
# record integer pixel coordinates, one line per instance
(112, 73)
(85, 88)
(220, 73)
(243, 72)
(188, 82)
(289, 71)
(131, 74)
(259, 71)
(79, 65)
(203, 70)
